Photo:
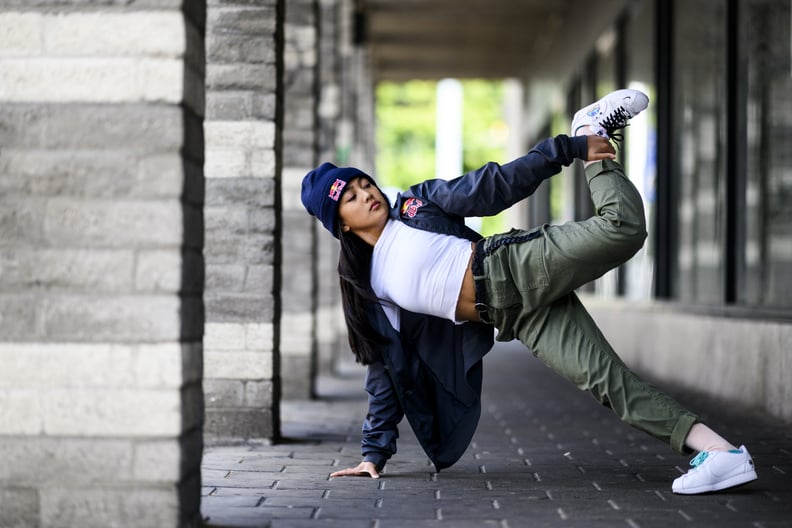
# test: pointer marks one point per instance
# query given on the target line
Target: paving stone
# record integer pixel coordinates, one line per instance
(236, 501)
(456, 523)
(227, 517)
(288, 512)
(544, 455)
(321, 523)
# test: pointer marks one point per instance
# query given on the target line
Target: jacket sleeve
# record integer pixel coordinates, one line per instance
(380, 429)
(493, 187)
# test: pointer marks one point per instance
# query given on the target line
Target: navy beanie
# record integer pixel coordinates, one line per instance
(321, 189)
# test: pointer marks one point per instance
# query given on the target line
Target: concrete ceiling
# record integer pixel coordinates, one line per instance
(528, 39)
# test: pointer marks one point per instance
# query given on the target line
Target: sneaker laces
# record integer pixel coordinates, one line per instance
(699, 459)
(616, 120)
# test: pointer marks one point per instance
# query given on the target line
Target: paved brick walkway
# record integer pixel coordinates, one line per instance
(545, 454)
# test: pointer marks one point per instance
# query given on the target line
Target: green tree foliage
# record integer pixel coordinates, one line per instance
(484, 131)
(406, 132)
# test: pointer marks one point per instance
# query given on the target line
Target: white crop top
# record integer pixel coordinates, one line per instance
(419, 271)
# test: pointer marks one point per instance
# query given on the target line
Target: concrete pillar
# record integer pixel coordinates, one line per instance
(101, 270)
(345, 136)
(357, 126)
(329, 79)
(331, 333)
(241, 371)
(298, 321)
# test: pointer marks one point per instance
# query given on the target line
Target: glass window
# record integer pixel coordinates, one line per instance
(639, 151)
(604, 72)
(606, 63)
(766, 250)
(698, 199)
(583, 95)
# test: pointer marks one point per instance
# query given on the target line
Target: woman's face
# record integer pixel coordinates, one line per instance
(362, 207)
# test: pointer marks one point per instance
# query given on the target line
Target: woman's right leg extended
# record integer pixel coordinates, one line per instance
(529, 280)
(565, 338)
(563, 335)
(530, 295)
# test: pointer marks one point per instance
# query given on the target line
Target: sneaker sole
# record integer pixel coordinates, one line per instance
(735, 481)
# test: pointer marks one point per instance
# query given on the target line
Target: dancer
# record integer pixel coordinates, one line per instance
(422, 293)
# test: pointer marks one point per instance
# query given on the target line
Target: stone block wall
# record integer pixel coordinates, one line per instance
(331, 334)
(243, 129)
(101, 268)
(298, 343)
(342, 132)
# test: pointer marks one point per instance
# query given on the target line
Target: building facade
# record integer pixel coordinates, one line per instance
(708, 301)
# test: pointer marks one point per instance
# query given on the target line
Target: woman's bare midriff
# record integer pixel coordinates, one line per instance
(466, 304)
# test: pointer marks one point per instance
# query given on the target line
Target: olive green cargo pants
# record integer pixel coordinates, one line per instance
(530, 277)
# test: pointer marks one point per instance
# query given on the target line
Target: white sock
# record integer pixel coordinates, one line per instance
(702, 438)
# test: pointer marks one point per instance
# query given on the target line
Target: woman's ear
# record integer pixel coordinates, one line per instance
(345, 228)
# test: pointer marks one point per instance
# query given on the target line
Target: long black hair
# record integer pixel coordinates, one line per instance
(357, 297)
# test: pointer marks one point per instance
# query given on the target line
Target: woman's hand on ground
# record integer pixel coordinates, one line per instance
(599, 148)
(362, 469)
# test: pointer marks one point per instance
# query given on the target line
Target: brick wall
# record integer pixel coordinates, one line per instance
(242, 213)
(101, 270)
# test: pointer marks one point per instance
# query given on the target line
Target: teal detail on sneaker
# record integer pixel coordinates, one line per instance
(699, 459)
(716, 471)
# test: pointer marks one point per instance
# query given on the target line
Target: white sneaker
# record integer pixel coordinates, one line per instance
(610, 113)
(716, 470)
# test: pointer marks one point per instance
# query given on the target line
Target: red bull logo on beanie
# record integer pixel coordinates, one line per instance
(335, 190)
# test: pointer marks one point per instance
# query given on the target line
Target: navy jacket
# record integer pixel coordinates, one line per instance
(431, 371)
